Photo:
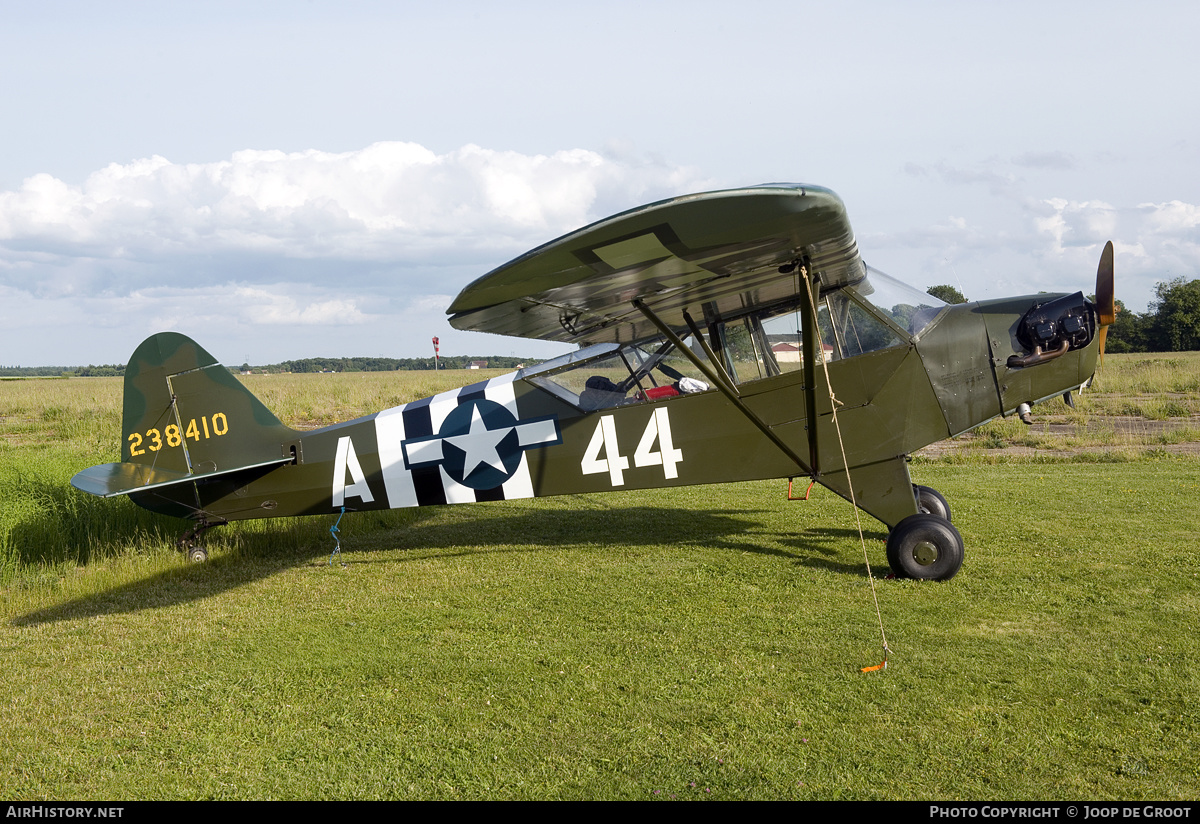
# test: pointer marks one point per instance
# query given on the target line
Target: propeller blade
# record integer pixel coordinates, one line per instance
(1106, 303)
(1105, 299)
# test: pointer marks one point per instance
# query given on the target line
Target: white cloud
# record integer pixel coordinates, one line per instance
(1151, 225)
(195, 309)
(259, 306)
(369, 246)
(393, 202)
(1153, 242)
(365, 244)
(1076, 224)
(1174, 219)
(1052, 243)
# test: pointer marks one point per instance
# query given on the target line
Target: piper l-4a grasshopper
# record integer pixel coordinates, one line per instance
(718, 332)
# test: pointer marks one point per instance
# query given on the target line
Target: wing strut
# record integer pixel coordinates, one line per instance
(811, 342)
(718, 369)
(726, 389)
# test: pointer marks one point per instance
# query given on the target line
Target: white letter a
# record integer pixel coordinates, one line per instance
(347, 460)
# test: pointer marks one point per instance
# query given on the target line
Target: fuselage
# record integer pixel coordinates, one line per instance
(550, 431)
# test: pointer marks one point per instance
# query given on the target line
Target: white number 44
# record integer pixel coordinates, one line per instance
(658, 429)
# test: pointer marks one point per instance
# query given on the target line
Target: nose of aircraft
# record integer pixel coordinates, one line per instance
(1046, 345)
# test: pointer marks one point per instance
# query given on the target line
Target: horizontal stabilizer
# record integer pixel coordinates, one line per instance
(112, 479)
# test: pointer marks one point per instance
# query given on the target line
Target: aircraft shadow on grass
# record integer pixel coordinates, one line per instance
(532, 531)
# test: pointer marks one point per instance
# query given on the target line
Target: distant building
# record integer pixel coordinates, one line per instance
(478, 364)
(788, 352)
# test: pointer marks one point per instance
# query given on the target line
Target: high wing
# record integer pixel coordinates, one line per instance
(722, 249)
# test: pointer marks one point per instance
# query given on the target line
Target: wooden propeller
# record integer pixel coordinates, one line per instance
(1106, 305)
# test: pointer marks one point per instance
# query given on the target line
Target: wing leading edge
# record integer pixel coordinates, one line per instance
(721, 248)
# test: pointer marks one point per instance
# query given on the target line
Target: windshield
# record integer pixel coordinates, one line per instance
(910, 308)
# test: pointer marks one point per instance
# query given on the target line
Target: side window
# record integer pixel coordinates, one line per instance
(762, 345)
(771, 342)
(742, 350)
(783, 334)
(649, 370)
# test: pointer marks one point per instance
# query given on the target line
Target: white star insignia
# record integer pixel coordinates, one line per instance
(479, 444)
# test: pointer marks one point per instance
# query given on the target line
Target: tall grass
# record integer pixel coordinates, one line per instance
(46, 522)
(1177, 372)
(1141, 389)
(1150, 386)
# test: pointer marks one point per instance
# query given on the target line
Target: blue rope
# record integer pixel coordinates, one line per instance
(333, 530)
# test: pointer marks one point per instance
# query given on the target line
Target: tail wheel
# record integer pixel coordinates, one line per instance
(190, 544)
(932, 502)
(926, 547)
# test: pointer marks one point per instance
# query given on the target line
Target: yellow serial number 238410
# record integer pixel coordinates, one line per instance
(208, 427)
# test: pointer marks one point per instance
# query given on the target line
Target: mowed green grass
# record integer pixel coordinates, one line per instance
(694, 643)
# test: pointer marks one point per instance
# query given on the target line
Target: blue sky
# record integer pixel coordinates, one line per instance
(284, 180)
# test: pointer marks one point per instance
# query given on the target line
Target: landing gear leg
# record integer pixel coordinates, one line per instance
(931, 502)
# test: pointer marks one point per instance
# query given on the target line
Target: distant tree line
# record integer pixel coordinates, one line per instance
(34, 371)
(106, 371)
(389, 364)
(1172, 323)
(302, 365)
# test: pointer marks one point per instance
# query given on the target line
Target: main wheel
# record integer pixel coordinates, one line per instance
(925, 547)
(931, 502)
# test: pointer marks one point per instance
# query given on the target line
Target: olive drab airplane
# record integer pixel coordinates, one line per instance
(712, 329)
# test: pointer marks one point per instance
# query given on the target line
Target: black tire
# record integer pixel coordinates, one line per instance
(925, 547)
(197, 554)
(932, 502)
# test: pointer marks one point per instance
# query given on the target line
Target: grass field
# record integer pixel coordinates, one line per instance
(549, 649)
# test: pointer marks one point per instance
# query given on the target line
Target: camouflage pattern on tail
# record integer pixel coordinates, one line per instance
(185, 418)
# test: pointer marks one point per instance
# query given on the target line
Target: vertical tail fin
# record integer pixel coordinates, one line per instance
(186, 413)
(185, 419)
